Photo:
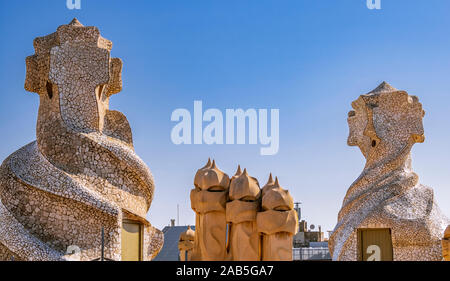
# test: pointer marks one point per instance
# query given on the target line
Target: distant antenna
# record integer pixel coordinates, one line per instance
(102, 257)
(297, 208)
(178, 214)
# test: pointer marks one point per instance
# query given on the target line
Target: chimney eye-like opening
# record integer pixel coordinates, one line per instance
(374, 143)
(248, 199)
(216, 189)
(49, 87)
(282, 208)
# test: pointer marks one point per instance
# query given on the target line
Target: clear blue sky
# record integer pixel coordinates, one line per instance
(310, 59)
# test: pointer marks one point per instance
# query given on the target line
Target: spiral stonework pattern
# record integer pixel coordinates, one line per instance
(81, 174)
(385, 124)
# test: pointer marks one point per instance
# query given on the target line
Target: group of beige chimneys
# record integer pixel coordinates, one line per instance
(237, 220)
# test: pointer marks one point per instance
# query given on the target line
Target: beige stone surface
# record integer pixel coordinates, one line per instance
(385, 124)
(269, 185)
(82, 173)
(208, 200)
(446, 244)
(186, 244)
(241, 210)
(260, 223)
(278, 223)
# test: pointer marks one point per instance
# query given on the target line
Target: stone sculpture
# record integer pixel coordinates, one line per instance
(278, 223)
(208, 200)
(269, 185)
(186, 244)
(385, 124)
(244, 193)
(231, 208)
(82, 173)
(446, 244)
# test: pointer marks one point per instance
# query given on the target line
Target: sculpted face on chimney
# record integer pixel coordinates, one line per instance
(82, 174)
(385, 124)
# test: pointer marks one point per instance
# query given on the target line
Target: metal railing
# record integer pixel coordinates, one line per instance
(302, 254)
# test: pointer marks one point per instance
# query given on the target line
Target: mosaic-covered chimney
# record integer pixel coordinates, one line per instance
(387, 214)
(81, 174)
